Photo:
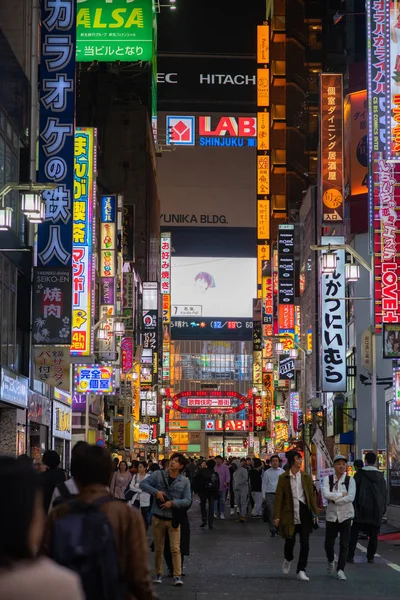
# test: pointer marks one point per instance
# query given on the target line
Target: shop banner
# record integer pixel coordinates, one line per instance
(331, 144)
(56, 131)
(52, 306)
(165, 253)
(52, 366)
(356, 134)
(128, 232)
(14, 388)
(318, 440)
(115, 31)
(39, 409)
(128, 300)
(393, 79)
(94, 379)
(286, 278)
(126, 354)
(333, 328)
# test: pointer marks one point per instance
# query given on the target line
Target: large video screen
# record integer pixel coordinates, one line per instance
(213, 287)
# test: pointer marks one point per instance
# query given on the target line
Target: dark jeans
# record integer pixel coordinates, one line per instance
(232, 497)
(207, 516)
(331, 533)
(304, 533)
(145, 514)
(372, 531)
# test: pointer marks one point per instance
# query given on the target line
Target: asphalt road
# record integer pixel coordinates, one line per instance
(240, 561)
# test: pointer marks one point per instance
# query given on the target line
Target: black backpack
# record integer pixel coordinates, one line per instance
(83, 541)
(346, 482)
(65, 495)
(211, 484)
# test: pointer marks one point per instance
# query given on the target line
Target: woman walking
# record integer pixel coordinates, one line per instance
(120, 481)
(140, 500)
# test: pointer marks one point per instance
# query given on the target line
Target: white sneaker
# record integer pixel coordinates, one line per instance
(215, 516)
(331, 567)
(341, 575)
(222, 516)
(238, 511)
(286, 567)
(302, 576)
(232, 511)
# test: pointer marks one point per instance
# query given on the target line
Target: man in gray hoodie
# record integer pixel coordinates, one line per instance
(241, 489)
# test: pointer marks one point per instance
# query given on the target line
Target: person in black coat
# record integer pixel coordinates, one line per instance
(206, 485)
(52, 477)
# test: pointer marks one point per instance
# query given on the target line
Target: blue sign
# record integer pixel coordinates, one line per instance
(108, 206)
(56, 130)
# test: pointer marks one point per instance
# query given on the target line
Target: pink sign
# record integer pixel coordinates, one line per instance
(127, 354)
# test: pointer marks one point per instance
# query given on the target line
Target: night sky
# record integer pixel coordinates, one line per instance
(210, 26)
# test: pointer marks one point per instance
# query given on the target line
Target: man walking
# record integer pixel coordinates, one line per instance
(255, 477)
(171, 490)
(224, 479)
(339, 490)
(268, 489)
(294, 510)
(206, 485)
(241, 489)
(370, 506)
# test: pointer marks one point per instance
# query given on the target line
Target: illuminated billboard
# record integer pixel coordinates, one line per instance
(393, 79)
(212, 130)
(213, 287)
(386, 179)
(82, 241)
(331, 143)
(111, 31)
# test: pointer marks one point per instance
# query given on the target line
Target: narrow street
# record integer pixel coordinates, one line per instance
(242, 561)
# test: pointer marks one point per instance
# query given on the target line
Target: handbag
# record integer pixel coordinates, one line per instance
(129, 494)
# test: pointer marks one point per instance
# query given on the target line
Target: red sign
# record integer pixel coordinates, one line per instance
(386, 241)
(127, 354)
(258, 419)
(286, 316)
(207, 400)
(165, 263)
(232, 425)
(228, 126)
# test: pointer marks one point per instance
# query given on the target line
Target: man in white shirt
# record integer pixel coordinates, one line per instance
(339, 490)
(268, 489)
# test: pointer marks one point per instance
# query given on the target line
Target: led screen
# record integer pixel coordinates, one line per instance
(213, 287)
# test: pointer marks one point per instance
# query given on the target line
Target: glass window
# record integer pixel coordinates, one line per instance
(2, 158)
(4, 325)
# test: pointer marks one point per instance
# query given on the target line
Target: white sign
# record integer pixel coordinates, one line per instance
(14, 388)
(333, 327)
(318, 440)
(209, 402)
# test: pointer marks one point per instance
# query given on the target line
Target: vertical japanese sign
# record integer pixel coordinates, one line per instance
(165, 267)
(108, 267)
(128, 300)
(386, 181)
(150, 328)
(377, 84)
(267, 321)
(286, 278)
(52, 366)
(263, 165)
(82, 242)
(165, 263)
(331, 108)
(52, 306)
(333, 326)
(56, 131)
(392, 33)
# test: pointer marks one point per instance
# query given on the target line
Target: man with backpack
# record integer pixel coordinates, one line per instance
(370, 506)
(339, 490)
(103, 540)
(206, 485)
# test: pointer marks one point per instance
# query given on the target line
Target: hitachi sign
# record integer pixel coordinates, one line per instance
(222, 79)
(228, 126)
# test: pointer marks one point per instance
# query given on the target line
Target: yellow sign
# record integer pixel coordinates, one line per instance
(263, 253)
(136, 393)
(166, 300)
(262, 131)
(262, 87)
(263, 222)
(257, 367)
(263, 175)
(263, 44)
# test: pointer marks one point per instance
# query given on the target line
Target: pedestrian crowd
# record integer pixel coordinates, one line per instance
(89, 532)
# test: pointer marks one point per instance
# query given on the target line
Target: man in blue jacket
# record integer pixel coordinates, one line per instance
(171, 491)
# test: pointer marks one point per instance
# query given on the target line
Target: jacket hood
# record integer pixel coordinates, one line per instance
(371, 474)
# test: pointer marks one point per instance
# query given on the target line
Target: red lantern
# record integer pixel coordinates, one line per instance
(229, 449)
(244, 443)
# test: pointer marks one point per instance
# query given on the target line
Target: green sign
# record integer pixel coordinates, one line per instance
(110, 30)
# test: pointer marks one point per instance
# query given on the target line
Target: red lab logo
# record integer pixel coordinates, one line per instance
(228, 126)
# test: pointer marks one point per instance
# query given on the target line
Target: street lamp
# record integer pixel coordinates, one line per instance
(279, 348)
(5, 218)
(119, 327)
(269, 366)
(31, 202)
(293, 353)
(352, 272)
(328, 262)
